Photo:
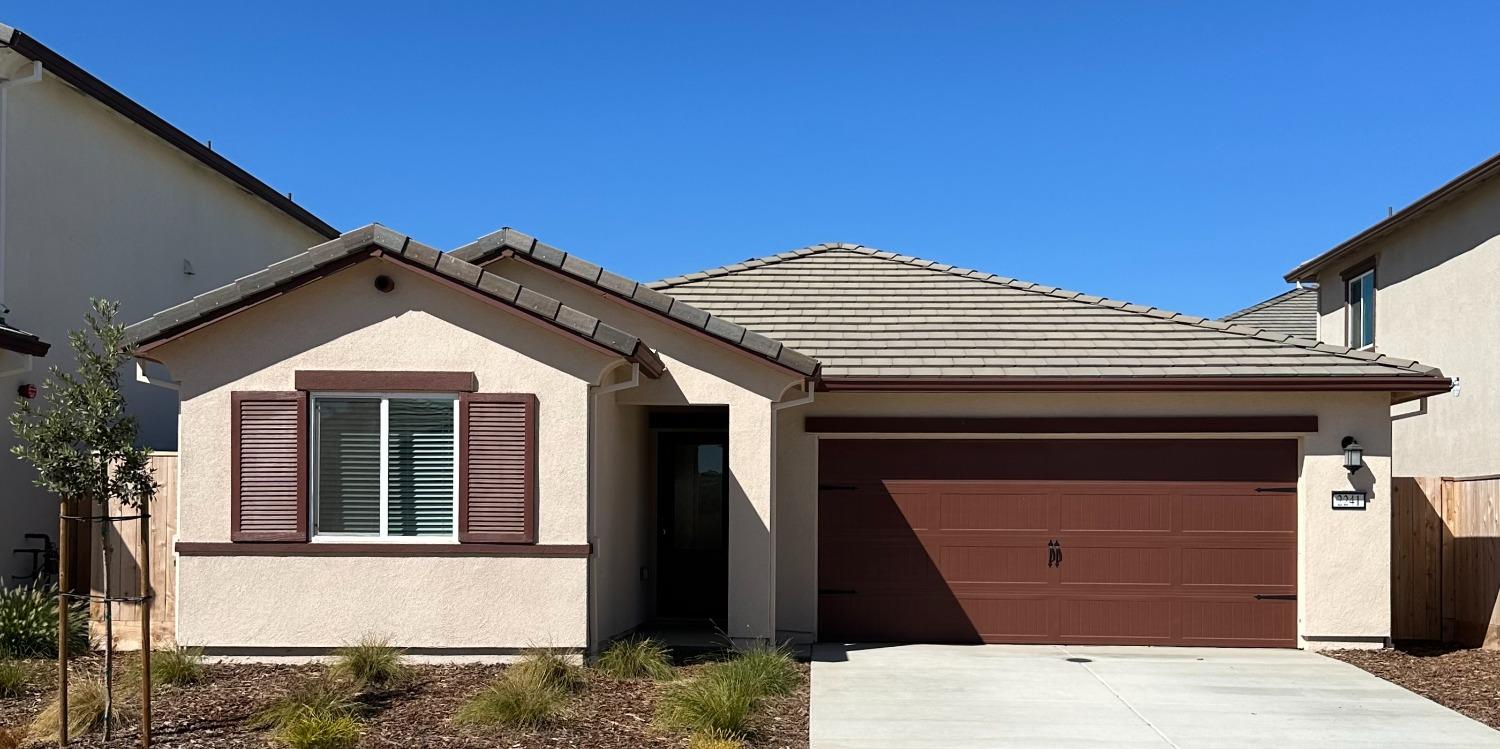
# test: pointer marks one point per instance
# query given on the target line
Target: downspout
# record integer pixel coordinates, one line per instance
(591, 647)
(5, 89)
(776, 409)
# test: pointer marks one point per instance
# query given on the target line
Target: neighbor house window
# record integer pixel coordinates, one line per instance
(384, 466)
(1360, 293)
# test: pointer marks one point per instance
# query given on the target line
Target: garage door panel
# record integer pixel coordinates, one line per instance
(1022, 564)
(993, 511)
(1238, 622)
(1116, 512)
(1250, 512)
(873, 508)
(966, 559)
(1267, 568)
(1116, 565)
(1115, 619)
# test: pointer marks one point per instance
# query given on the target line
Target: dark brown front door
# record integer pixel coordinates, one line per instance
(1159, 542)
(692, 529)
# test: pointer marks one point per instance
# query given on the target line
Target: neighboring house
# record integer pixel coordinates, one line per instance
(502, 446)
(1422, 283)
(1293, 312)
(101, 198)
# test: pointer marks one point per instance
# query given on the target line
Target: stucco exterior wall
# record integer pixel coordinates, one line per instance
(1343, 557)
(700, 372)
(343, 323)
(623, 514)
(1435, 302)
(95, 206)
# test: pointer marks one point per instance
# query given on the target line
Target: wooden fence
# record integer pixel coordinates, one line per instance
(1445, 560)
(123, 570)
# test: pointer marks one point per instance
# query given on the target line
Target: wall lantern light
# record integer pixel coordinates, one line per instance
(27, 391)
(1354, 454)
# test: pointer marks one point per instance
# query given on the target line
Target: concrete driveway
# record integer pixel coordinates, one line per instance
(956, 697)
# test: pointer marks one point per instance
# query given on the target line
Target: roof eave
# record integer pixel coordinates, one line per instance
(1406, 387)
(75, 76)
(1448, 191)
(23, 343)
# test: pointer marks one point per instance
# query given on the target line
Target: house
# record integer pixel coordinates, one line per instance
(1293, 312)
(99, 197)
(506, 445)
(1420, 283)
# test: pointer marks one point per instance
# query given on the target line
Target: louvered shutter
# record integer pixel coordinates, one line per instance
(268, 476)
(497, 468)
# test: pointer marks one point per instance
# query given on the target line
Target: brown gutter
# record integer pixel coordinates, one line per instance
(22, 343)
(81, 79)
(1410, 385)
(1454, 188)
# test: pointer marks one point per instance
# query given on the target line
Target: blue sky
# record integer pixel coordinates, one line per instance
(1183, 155)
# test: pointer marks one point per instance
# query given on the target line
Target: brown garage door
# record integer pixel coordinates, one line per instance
(1158, 542)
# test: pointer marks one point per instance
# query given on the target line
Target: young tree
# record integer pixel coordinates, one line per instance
(83, 446)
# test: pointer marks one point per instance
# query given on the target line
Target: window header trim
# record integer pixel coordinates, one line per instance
(384, 381)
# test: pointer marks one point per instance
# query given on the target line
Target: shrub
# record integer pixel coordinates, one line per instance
(86, 707)
(710, 742)
(321, 698)
(28, 623)
(636, 659)
(771, 670)
(719, 703)
(522, 698)
(320, 731)
(179, 666)
(550, 668)
(14, 678)
(370, 662)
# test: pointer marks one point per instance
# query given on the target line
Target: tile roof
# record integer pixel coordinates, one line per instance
(1294, 312)
(866, 312)
(351, 247)
(490, 246)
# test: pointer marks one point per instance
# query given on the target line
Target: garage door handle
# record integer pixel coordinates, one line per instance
(1276, 596)
(1054, 554)
(1059, 552)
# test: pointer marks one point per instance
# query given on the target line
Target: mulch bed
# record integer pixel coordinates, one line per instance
(1467, 681)
(607, 714)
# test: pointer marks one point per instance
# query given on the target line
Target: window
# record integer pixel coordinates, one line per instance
(1360, 297)
(384, 466)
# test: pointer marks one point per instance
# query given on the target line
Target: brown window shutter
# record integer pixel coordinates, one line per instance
(268, 442)
(497, 468)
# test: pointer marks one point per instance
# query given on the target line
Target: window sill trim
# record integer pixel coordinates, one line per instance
(311, 549)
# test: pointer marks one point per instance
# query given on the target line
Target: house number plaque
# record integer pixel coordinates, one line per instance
(1350, 500)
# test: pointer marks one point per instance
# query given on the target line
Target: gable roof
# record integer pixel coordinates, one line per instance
(1454, 188)
(69, 72)
(868, 314)
(378, 241)
(526, 247)
(1294, 312)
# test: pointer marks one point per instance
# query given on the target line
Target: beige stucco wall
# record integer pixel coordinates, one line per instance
(623, 514)
(343, 323)
(1343, 557)
(97, 206)
(703, 373)
(1435, 302)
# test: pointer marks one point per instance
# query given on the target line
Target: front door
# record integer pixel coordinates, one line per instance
(692, 526)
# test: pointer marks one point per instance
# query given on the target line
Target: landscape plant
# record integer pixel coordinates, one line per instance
(15, 677)
(636, 658)
(28, 623)
(84, 448)
(314, 697)
(545, 666)
(87, 702)
(523, 699)
(370, 663)
(320, 731)
(178, 666)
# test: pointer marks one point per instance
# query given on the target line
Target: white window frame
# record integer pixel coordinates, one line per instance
(384, 536)
(1349, 285)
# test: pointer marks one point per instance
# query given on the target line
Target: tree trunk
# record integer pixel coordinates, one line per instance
(148, 599)
(64, 557)
(109, 626)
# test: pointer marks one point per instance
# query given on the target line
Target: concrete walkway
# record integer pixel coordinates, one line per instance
(958, 697)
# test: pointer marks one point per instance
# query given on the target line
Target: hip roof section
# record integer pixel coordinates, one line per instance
(864, 312)
(1293, 312)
